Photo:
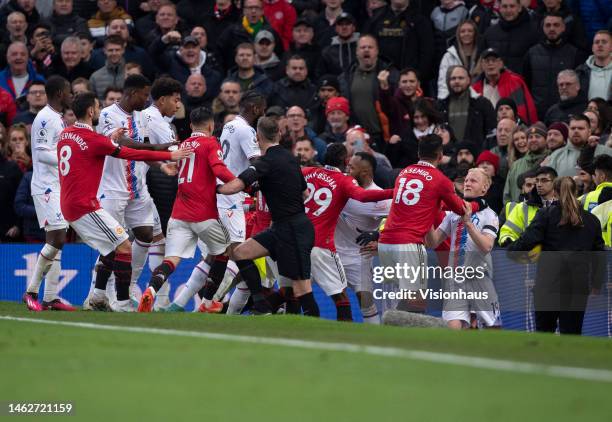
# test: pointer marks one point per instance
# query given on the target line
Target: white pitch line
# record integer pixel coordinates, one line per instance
(602, 375)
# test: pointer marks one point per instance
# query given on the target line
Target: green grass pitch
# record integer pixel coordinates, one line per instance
(132, 376)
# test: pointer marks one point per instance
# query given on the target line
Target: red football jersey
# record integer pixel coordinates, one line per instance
(328, 191)
(419, 191)
(81, 153)
(196, 199)
(263, 218)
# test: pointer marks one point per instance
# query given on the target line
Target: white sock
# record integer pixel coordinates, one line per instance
(228, 281)
(140, 250)
(194, 284)
(156, 254)
(164, 291)
(43, 264)
(239, 298)
(98, 294)
(52, 278)
(111, 292)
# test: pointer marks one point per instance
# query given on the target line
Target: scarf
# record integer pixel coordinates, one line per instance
(252, 29)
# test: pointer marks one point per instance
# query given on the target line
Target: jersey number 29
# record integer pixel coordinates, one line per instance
(321, 197)
(188, 163)
(409, 192)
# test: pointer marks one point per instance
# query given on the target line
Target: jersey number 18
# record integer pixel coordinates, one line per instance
(409, 192)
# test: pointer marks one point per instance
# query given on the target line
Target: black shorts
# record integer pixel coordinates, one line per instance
(290, 243)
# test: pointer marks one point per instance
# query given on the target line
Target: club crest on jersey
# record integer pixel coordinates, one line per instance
(119, 230)
(59, 216)
(230, 129)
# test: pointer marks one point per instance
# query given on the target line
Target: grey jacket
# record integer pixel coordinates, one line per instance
(109, 75)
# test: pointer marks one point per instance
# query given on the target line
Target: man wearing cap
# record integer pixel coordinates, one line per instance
(556, 137)
(489, 162)
(405, 36)
(282, 17)
(265, 57)
(295, 88)
(188, 59)
(470, 115)
(497, 82)
(340, 55)
(513, 35)
(536, 144)
(328, 88)
(326, 21)
(547, 58)
(245, 31)
(337, 111)
(303, 44)
(247, 75)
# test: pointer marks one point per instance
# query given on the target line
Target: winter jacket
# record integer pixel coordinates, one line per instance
(282, 17)
(405, 152)
(63, 26)
(109, 75)
(10, 175)
(13, 6)
(169, 61)
(6, 82)
(337, 57)
(398, 109)
(261, 83)
(25, 210)
(513, 86)
(561, 111)
(541, 61)
(512, 40)
(234, 35)
(8, 109)
(81, 70)
(564, 159)
(527, 162)
(287, 93)
(98, 22)
(595, 81)
(596, 15)
(406, 39)
(214, 22)
(481, 118)
(310, 52)
(274, 68)
(451, 58)
(445, 22)
(133, 53)
(574, 29)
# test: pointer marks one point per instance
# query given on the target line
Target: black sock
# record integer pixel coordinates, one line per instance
(343, 307)
(250, 275)
(161, 274)
(291, 303)
(274, 298)
(215, 277)
(123, 275)
(104, 270)
(309, 305)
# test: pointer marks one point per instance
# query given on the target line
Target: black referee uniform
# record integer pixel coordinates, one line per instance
(290, 239)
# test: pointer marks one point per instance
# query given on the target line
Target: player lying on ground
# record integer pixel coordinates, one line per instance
(472, 239)
(81, 154)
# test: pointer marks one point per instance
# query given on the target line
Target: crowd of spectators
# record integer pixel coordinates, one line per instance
(509, 85)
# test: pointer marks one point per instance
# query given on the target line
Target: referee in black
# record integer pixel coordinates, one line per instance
(290, 239)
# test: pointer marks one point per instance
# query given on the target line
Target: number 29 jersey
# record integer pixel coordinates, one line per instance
(419, 191)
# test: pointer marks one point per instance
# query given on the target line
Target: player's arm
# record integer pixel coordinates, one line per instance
(47, 156)
(434, 237)
(220, 170)
(258, 169)
(483, 240)
(108, 146)
(362, 195)
(128, 142)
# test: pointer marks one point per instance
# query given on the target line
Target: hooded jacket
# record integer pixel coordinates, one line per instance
(261, 83)
(595, 81)
(338, 57)
(561, 111)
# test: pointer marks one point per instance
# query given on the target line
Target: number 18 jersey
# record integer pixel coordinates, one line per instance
(419, 191)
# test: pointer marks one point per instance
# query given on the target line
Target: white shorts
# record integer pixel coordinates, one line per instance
(235, 223)
(412, 259)
(358, 272)
(327, 271)
(49, 211)
(138, 212)
(487, 309)
(100, 230)
(182, 237)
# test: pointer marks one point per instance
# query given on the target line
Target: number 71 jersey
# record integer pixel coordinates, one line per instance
(328, 192)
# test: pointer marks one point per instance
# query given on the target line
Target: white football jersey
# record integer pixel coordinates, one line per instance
(122, 179)
(364, 216)
(239, 145)
(46, 128)
(156, 127)
(463, 251)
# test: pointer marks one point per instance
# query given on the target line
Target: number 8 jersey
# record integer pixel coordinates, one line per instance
(328, 192)
(417, 196)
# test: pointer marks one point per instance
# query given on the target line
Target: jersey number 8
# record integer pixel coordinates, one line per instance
(65, 154)
(409, 192)
(322, 197)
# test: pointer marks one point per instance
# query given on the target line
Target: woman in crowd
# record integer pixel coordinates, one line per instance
(18, 146)
(572, 263)
(518, 146)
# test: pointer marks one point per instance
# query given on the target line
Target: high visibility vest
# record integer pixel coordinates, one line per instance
(604, 213)
(518, 218)
(591, 199)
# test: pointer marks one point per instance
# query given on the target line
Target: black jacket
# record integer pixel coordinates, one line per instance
(63, 26)
(163, 191)
(407, 39)
(337, 58)
(512, 40)
(10, 176)
(81, 70)
(578, 258)
(24, 208)
(541, 62)
(287, 93)
(311, 53)
(561, 111)
(574, 29)
(480, 122)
